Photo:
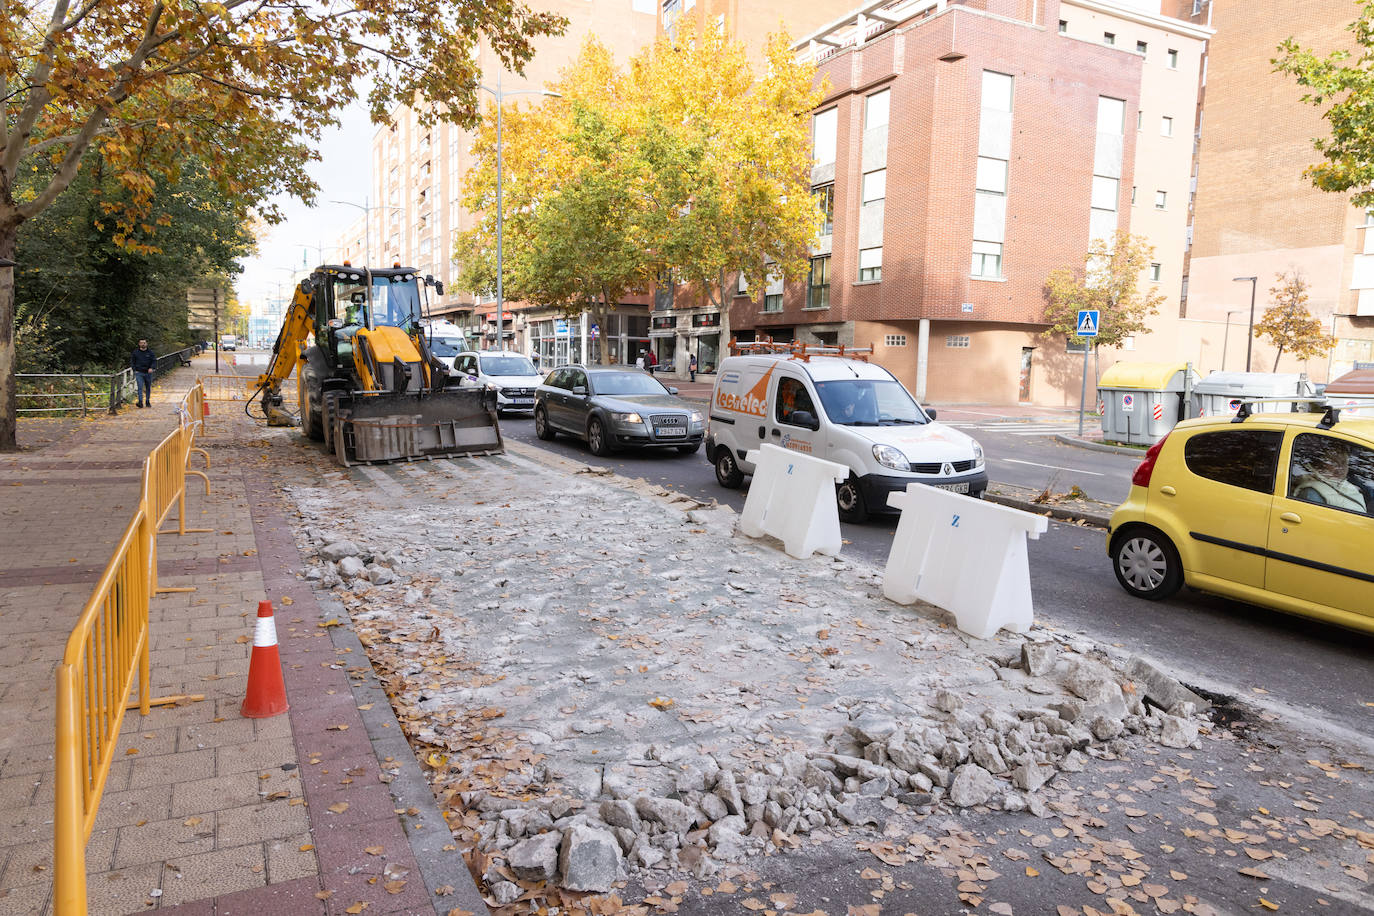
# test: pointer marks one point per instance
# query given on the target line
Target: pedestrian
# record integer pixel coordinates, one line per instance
(144, 362)
(650, 361)
(639, 360)
(692, 366)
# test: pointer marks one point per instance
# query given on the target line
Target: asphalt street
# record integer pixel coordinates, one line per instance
(1303, 673)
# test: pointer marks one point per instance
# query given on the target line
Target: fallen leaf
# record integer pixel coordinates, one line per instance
(356, 908)
(339, 807)
(1254, 873)
(662, 703)
(753, 903)
(337, 728)
(394, 887)
(1031, 873)
(1003, 909)
(286, 600)
(331, 622)
(323, 895)
(1268, 904)
(190, 822)
(374, 850)
(306, 847)
(130, 751)
(1259, 855)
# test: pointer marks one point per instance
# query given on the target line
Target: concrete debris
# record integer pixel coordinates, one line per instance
(1160, 689)
(1038, 658)
(535, 859)
(589, 860)
(973, 785)
(337, 550)
(1177, 732)
(350, 567)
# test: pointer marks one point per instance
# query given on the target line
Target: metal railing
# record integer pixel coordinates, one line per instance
(107, 648)
(85, 393)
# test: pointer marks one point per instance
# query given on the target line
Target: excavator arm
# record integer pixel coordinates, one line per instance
(287, 353)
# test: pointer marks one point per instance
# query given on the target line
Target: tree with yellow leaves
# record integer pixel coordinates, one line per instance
(686, 162)
(242, 87)
(1289, 325)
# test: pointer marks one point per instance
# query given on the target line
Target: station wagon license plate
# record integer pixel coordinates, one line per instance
(953, 487)
(669, 431)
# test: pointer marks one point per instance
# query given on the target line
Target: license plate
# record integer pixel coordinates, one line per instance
(953, 487)
(670, 431)
(523, 402)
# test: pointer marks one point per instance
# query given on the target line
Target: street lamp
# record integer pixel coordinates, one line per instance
(1225, 339)
(367, 223)
(500, 288)
(1250, 334)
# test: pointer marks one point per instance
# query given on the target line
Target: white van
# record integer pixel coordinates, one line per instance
(844, 410)
(446, 341)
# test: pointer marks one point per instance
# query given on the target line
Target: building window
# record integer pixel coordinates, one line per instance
(823, 144)
(876, 109)
(987, 259)
(1161, 200)
(1132, 195)
(875, 186)
(772, 302)
(1109, 38)
(1106, 183)
(870, 264)
(1140, 47)
(895, 340)
(1139, 120)
(1155, 271)
(743, 286)
(1166, 127)
(992, 175)
(957, 341)
(818, 284)
(1063, 27)
(1173, 59)
(825, 201)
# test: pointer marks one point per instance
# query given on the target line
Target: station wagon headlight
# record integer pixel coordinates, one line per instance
(628, 418)
(977, 454)
(890, 457)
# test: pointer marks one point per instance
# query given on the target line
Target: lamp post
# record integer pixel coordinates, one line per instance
(1226, 337)
(367, 223)
(1250, 333)
(500, 272)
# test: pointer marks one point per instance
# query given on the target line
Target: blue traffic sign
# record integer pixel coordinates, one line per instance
(1087, 323)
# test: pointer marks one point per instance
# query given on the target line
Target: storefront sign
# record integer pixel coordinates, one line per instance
(664, 322)
(505, 316)
(709, 320)
(560, 327)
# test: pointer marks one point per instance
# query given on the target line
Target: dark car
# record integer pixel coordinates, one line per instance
(615, 408)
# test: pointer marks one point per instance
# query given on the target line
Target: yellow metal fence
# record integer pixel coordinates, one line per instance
(109, 646)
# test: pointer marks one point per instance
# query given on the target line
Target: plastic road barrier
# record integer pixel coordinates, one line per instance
(792, 498)
(964, 555)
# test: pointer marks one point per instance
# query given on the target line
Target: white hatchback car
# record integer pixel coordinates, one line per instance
(512, 375)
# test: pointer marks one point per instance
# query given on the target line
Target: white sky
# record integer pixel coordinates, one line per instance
(292, 245)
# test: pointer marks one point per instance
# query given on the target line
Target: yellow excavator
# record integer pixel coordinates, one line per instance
(368, 385)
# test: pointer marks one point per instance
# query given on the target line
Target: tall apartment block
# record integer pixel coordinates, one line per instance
(1255, 213)
(962, 153)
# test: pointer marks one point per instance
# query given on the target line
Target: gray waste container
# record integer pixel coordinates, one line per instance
(1141, 402)
(1220, 394)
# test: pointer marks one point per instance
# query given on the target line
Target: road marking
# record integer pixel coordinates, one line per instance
(1052, 467)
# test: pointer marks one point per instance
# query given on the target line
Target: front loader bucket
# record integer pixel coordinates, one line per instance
(460, 421)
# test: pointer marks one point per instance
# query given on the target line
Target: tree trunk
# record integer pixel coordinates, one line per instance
(1277, 357)
(9, 430)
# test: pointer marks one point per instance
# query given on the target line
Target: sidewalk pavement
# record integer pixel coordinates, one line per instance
(204, 811)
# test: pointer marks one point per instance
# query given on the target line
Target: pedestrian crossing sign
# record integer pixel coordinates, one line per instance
(1087, 323)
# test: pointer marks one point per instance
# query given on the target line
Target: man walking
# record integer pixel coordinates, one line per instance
(144, 362)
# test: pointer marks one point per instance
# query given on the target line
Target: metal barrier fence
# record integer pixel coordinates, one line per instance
(107, 648)
(86, 392)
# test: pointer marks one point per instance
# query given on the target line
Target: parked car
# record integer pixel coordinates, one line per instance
(844, 410)
(511, 374)
(615, 407)
(1272, 509)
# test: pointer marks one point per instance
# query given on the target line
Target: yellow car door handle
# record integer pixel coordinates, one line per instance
(1293, 517)
(1168, 491)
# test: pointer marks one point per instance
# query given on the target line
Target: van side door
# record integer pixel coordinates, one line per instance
(794, 413)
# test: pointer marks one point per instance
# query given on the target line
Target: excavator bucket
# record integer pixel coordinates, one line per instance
(396, 427)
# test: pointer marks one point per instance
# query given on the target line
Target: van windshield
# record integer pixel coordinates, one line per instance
(869, 402)
(447, 346)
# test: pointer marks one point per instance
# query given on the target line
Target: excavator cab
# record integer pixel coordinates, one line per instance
(369, 386)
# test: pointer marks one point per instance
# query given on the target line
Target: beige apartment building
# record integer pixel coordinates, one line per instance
(1256, 215)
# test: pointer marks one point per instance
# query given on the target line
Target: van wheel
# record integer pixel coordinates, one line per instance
(1146, 564)
(728, 474)
(850, 500)
(542, 429)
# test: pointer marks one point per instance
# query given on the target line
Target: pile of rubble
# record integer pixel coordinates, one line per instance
(902, 716)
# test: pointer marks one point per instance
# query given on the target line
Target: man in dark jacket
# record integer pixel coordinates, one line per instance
(144, 362)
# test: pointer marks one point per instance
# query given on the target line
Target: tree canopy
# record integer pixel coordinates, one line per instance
(241, 87)
(686, 162)
(1341, 83)
(1109, 281)
(1289, 325)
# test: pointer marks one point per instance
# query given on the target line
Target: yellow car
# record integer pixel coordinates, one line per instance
(1274, 509)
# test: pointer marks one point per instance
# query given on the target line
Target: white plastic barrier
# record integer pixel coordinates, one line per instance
(792, 498)
(964, 555)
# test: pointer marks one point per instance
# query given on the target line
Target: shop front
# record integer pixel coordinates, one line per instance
(703, 341)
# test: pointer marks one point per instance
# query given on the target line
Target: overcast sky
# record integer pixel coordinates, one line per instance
(342, 174)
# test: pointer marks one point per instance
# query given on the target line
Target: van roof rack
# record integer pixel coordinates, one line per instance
(797, 350)
(1316, 404)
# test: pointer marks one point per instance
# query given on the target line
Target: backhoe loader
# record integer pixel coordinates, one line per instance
(368, 385)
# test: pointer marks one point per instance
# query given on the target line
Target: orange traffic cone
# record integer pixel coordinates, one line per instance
(266, 690)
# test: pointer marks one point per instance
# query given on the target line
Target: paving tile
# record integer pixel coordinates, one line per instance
(162, 769)
(210, 874)
(232, 791)
(236, 730)
(286, 860)
(255, 755)
(116, 893)
(150, 803)
(293, 898)
(257, 823)
(27, 900)
(158, 841)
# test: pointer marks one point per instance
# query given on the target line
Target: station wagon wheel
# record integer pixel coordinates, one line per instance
(542, 429)
(850, 500)
(597, 440)
(1146, 564)
(728, 474)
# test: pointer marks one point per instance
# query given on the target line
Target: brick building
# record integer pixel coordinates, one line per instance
(1255, 212)
(964, 151)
